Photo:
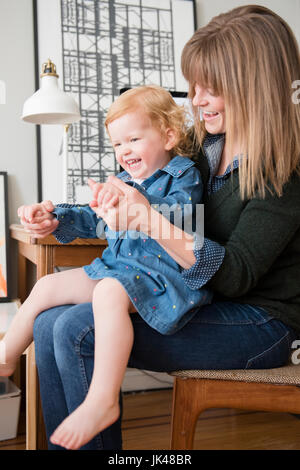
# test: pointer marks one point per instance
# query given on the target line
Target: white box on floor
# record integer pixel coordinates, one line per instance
(10, 399)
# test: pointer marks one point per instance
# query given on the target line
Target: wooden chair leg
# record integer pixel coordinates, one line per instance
(187, 405)
(31, 400)
(35, 429)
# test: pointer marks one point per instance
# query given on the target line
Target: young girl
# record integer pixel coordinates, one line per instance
(147, 131)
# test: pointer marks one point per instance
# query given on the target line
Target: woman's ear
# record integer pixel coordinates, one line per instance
(171, 139)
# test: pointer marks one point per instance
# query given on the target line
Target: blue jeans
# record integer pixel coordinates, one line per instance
(222, 335)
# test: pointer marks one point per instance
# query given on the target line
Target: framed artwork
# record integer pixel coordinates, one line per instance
(4, 237)
(100, 47)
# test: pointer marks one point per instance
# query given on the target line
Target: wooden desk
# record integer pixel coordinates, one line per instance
(46, 253)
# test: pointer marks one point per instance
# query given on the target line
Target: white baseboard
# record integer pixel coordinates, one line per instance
(135, 380)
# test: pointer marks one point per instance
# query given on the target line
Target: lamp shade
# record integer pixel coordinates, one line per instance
(50, 105)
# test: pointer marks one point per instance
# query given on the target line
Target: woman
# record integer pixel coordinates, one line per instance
(240, 67)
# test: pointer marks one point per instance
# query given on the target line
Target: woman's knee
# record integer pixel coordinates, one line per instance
(42, 327)
(43, 330)
(73, 332)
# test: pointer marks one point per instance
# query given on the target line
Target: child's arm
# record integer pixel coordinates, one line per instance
(77, 221)
(65, 221)
(82, 221)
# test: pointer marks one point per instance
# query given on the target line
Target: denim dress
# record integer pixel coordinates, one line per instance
(151, 278)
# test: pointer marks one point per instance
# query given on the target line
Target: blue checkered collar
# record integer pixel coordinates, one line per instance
(213, 147)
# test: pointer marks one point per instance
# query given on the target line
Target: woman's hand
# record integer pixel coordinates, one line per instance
(132, 211)
(38, 219)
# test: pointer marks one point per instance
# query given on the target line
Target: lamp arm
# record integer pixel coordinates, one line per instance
(65, 162)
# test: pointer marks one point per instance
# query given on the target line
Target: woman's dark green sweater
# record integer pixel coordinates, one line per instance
(262, 246)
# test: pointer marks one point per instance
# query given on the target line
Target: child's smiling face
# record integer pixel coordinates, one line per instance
(139, 147)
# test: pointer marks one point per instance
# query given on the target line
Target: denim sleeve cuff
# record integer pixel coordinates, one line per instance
(63, 234)
(208, 260)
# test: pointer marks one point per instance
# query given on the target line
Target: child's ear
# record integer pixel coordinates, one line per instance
(171, 139)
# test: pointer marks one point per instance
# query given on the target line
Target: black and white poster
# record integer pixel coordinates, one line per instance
(100, 47)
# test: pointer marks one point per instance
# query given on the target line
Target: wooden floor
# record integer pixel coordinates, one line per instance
(146, 425)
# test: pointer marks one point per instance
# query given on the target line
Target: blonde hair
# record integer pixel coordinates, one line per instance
(250, 57)
(158, 104)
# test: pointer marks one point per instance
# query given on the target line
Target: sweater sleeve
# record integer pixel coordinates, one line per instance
(264, 229)
(262, 233)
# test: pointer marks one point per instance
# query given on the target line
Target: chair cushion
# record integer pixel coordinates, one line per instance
(289, 374)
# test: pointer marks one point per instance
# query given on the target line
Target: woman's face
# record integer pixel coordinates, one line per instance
(212, 108)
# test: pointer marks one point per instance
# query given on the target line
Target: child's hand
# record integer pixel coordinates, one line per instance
(38, 219)
(105, 195)
(36, 213)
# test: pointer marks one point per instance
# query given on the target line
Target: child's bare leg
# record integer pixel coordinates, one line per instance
(113, 343)
(66, 287)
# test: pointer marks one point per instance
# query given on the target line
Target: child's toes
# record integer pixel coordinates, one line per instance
(57, 437)
(73, 444)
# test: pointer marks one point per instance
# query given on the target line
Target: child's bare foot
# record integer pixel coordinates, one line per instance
(83, 424)
(6, 368)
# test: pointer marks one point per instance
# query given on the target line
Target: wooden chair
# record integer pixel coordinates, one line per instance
(260, 390)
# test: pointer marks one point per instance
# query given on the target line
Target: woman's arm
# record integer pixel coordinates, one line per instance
(134, 212)
(263, 242)
(263, 232)
(177, 243)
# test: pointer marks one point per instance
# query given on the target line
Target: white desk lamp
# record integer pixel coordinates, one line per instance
(50, 105)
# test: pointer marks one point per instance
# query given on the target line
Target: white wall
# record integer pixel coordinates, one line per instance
(17, 139)
(289, 10)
